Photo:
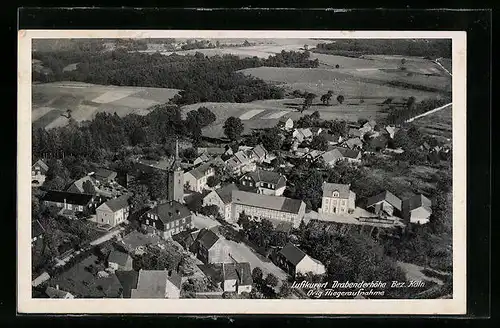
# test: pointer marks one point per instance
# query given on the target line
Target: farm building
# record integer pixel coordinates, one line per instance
(237, 277)
(265, 182)
(417, 209)
(295, 261)
(157, 284)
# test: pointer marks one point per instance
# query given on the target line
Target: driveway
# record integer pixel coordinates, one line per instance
(242, 253)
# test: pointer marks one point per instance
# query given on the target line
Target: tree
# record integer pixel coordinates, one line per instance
(210, 210)
(56, 183)
(213, 181)
(403, 62)
(337, 66)
(410, 102)
(271, 139)
(257, 275)
(308, 100)
(315, 116)
(157, 183)
(271, 280)
(243, 221)
(340, 99)
(140, 196)
(319, 142)
(325, 99)
(285, 290)
(233, 128)
(88, 187)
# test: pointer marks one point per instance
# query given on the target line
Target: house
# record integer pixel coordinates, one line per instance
(120, 261)
(295, 261)
(86, 185)
(302, 135)
(384, 204)
(128, 280)
(240, 162)
(417, 209)
(332, 139)
(69, 201)
(114, 211)
(186, 239)
(260, 154)
(204, 157)
(103, 175)
(391, 131)
(237, 277)
(38, 172)
(337, 198)
(57, 293)
(367, 127)
(265, 182)
(157, 284)
(354, 133)
(222, 197)
(210, 248)
(196, 179)
(167, 219)
(331, 157)
(37, 231)
(316, 130)
(285, 123)
(354, 143)
(273, 208)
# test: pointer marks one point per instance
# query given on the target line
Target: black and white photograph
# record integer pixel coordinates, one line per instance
(240, 166)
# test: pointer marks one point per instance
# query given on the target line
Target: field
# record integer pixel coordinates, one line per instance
(438, 124)
(50, 100)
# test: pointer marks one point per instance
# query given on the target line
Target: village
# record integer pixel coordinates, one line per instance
(205, 238)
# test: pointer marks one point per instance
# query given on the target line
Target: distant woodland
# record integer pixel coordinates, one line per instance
(406, 47)
(200, 77)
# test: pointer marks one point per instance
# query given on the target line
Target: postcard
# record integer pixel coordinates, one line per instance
(242, 172)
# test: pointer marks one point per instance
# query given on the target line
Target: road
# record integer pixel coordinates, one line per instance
(242, 253)
(427, 113)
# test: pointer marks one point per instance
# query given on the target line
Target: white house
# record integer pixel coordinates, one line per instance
(295, 261)
(196, 179)
(286, 123)
(38, 172)
(417, 209)
(114, 211)
(337, 199)
(222, 197)
(237, 277)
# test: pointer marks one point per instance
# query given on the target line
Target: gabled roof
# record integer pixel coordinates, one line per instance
(225, 193)
(354, 132)
(128, 280)
(77, 185)
(207, 238)
(292, 253)
(332, 155)
(118, 257)
(44, 167)
(170, 211)
(385, 196)
(370, 124)
(349, 153)
(201, 170)
(354, 142)
(103, 173)
(329, 188)
(415, 202)
(267, 176)
(282, 204)
(117, 203)
(152, 284)
(259, 151)
(306, 132)
(237, 271)
(70, 197)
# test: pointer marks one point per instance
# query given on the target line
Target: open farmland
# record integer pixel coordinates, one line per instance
(50, 100)
(438, 124)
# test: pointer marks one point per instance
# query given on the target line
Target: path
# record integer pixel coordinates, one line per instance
(106, 237)
(437, 62)
(427, 113)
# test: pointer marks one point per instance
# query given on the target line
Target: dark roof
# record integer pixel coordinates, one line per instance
(118, 257)
(349, 153)
(170, 211)
(292, 253)
(207, 238)
(225, 193)
(329, 188)
(275, 178)
(128, 280)
(388, 197)
(118, 203)
(153, 283)
(70, 197)
(416, 202)
(238, 271)
(103, 173)
(175, 279)
(276, 203)
(201, 170)
(185, 238)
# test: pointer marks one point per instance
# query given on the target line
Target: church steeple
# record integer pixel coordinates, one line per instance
(176, 164)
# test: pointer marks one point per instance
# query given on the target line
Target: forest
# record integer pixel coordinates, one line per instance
(200, 78)
(407, 47)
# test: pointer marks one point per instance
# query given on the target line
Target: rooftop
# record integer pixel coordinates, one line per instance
(201, 170)
(225, 193)
(416, 202)
(292, 253)
(68, 197)
(268, 176)
(207, 238)
(170, 211)
(342, 189)
(117, 203)
(385, 196)
(282, 204)
(238, 271)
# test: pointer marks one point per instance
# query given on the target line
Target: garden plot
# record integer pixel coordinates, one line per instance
(39, 112)
(248, 115)
(114, 95)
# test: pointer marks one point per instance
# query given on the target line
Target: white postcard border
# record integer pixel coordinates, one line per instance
(27, 304)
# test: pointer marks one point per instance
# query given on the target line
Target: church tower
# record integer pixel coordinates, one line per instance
(176, 178)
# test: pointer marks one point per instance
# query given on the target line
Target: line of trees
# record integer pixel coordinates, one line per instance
(199, 77)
